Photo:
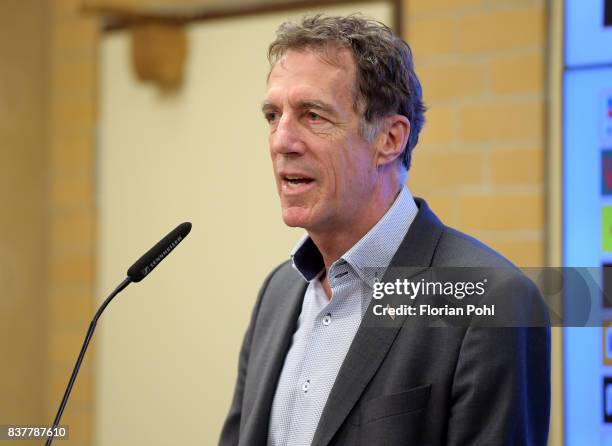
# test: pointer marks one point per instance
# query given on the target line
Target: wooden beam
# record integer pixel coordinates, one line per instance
(116, 18)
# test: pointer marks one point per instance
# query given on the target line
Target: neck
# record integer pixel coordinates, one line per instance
(333, 244)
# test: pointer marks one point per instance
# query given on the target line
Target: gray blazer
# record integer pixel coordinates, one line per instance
(407, 383)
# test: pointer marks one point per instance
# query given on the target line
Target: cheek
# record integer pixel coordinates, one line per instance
(359, 163)
(334, 167)
(362, 176)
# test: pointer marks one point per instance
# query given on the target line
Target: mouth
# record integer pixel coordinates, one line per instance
(296, 181)
(295, 184)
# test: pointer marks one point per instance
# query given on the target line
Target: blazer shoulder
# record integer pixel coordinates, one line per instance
(447, 247)
(456, 248)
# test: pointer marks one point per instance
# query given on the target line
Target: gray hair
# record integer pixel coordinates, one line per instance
(386, 83)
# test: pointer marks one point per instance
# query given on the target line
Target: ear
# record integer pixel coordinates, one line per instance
(392, 139)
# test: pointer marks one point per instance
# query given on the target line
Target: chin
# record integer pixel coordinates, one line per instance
(296, 217)
(293, 222)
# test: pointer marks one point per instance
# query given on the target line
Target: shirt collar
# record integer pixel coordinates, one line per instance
(371, 255)
(307, 258)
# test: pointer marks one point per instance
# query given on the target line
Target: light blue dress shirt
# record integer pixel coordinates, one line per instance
(326, 328)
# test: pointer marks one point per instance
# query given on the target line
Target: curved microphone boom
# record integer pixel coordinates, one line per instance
(138, 271)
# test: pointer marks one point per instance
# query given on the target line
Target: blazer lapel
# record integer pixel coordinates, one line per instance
(372, 341)
(266, 368)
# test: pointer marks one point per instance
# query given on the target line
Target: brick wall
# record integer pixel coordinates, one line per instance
(71, 86)
(480, 159)
(22, 216)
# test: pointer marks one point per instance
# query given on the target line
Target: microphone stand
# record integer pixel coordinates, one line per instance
(138, 271)
(77, 366)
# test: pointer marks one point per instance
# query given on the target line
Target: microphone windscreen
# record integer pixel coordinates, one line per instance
(147, 263)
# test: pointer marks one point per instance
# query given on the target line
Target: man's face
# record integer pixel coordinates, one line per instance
(325, 170)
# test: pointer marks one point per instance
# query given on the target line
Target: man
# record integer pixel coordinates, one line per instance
(316, 367)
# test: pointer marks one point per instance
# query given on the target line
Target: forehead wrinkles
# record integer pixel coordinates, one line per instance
(343, 73)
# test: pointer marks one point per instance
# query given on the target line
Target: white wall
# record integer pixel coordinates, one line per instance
(167, 348)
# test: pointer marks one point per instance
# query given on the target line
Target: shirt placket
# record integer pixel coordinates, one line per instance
(322, 332)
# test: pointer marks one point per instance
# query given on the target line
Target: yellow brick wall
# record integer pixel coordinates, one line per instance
(22, 216)
(71, 86)
(480, 159)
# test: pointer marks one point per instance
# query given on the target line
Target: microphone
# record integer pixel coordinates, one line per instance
(138, 271)
(144, 265)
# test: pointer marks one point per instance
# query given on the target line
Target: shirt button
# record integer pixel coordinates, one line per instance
(305, 386)
(327, 319)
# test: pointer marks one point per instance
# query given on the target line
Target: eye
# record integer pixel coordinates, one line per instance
(271, 116)
(314, 117)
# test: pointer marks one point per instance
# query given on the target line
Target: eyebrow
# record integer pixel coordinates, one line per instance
(267, 105)
(304, 104)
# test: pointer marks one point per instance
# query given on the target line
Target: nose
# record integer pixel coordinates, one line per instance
(286, 138)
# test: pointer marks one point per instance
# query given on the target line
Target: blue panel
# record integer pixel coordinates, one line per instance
(587, 40)
(585, 121)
